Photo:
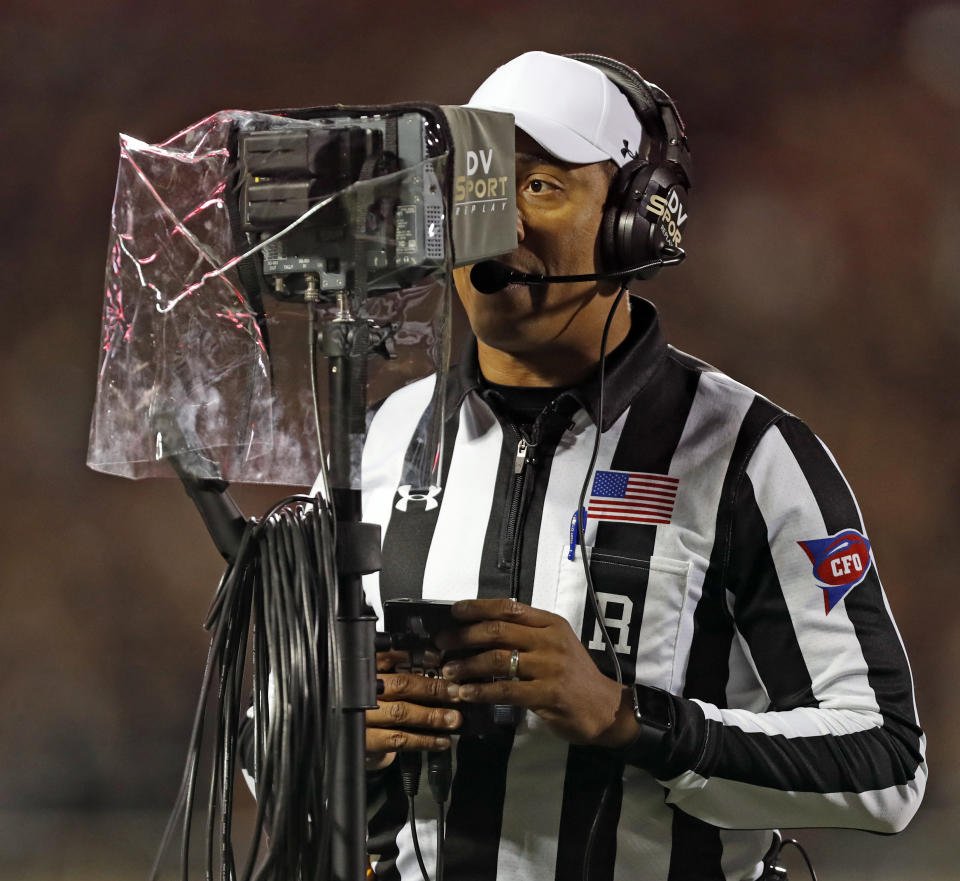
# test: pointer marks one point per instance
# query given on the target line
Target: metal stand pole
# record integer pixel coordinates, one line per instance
(346, 344)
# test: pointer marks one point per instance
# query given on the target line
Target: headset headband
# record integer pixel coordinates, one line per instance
(654, 108)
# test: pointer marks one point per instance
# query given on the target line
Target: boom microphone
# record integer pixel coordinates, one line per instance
(489, 276)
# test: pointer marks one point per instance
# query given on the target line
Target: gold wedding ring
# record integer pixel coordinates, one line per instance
(514, 672)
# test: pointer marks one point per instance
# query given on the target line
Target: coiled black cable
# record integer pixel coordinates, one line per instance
(282, 585)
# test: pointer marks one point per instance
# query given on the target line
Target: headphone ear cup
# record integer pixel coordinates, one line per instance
(645, 212)
(625, 232)
(609, 261)
(637, 225)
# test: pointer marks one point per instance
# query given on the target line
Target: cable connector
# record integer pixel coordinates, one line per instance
(773, 872)
(440, 774)
(411, 764)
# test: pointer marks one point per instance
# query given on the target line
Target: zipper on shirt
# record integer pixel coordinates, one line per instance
(513, 531)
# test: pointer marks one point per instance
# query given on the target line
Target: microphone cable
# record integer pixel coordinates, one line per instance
(581, 514)
(580, 517)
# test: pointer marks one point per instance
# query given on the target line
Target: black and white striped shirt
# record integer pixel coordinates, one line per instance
(789, 714)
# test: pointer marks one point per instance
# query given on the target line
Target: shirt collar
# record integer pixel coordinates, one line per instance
(628, 368)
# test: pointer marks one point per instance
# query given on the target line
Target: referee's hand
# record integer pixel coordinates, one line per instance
(410, 713)
(532, 658)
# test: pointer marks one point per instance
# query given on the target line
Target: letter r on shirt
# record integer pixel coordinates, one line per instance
(616, 611)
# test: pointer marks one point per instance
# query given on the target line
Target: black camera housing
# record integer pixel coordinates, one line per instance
(384, 234)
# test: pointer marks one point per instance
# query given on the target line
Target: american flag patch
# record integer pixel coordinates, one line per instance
(632, 497)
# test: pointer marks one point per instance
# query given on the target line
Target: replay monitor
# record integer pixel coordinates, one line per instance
(219, 236)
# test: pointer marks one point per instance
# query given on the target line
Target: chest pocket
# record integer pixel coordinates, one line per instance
(642, 603)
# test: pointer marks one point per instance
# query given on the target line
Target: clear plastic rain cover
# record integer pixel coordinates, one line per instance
(226, 237)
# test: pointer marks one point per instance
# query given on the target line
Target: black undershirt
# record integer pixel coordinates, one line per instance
(523, 404)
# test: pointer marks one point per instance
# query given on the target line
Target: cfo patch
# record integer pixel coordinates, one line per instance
(840, 563)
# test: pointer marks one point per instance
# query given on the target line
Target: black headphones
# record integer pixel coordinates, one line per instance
(646, 211)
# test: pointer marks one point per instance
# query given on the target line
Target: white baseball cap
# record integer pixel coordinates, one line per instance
(567, 106)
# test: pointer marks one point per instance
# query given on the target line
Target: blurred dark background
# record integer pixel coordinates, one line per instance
(823, 271)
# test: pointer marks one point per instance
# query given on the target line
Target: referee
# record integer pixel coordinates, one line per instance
(664, 571)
